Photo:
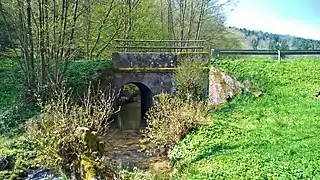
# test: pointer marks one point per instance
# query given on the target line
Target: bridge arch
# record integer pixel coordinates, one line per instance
(134, 101)
(145, 96)
(157, 82)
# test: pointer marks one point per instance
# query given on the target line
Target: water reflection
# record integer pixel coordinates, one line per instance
(130, 115)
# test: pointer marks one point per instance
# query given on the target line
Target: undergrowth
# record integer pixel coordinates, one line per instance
(10, 83)
(68, 136)
(81, 73)
(172, 117)
(273, 137)
(17, 156)
(170, 120)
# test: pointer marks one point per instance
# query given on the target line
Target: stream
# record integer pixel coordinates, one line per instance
(124, 151)
(123, 145)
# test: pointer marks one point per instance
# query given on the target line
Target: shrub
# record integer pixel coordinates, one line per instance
(13, 120)
(81, 73)
(16, 157)
(191, 79)
(171, 119)
(137, 174)
(69, 135)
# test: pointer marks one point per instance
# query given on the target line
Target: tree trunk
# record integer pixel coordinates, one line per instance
(88, 33)
(31, 47)
(42, 45)
(71, 42)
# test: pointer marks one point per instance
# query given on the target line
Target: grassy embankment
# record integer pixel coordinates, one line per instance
(273, 137)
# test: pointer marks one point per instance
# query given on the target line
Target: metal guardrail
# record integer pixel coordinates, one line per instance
(219, 52)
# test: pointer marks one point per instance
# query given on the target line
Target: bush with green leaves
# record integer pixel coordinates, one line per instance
(17, 156)
(191, 79)
(81, 73)
(14, 109)
(68, 135)
(170, 120)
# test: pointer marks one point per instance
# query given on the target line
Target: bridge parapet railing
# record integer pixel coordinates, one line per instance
(172, 46)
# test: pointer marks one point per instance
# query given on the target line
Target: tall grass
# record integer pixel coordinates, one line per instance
(273, 137)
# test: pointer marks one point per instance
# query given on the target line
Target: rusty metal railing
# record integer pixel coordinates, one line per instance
(131, 45)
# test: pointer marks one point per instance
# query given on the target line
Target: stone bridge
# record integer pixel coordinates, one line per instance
(152, 70)
(152, 73)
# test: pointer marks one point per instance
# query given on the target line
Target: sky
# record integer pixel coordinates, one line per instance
(293, 17)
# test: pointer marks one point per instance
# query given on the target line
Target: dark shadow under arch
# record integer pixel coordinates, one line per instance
(146, 98)
(145, 101)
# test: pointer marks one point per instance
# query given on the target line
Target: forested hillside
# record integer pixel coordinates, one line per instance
(264, 40)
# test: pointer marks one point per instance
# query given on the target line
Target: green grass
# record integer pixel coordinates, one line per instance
(275, 136)
(10, 84)
(13, 111)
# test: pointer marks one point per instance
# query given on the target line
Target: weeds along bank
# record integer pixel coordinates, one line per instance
(14, 106)
(273, 137)
(11, 118)
(17, 153)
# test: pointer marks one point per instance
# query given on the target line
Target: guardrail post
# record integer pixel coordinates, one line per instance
(279, 56)
(215, 53)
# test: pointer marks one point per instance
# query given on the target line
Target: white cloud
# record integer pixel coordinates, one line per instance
(248, 17)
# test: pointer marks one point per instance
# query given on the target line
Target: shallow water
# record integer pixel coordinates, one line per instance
(123, 145)
(131, 116)
(124, 150)
(44, 174)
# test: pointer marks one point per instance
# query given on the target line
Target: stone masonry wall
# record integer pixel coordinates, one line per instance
(144, 60)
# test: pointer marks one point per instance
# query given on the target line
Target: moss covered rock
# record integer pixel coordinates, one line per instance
(223, 87)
